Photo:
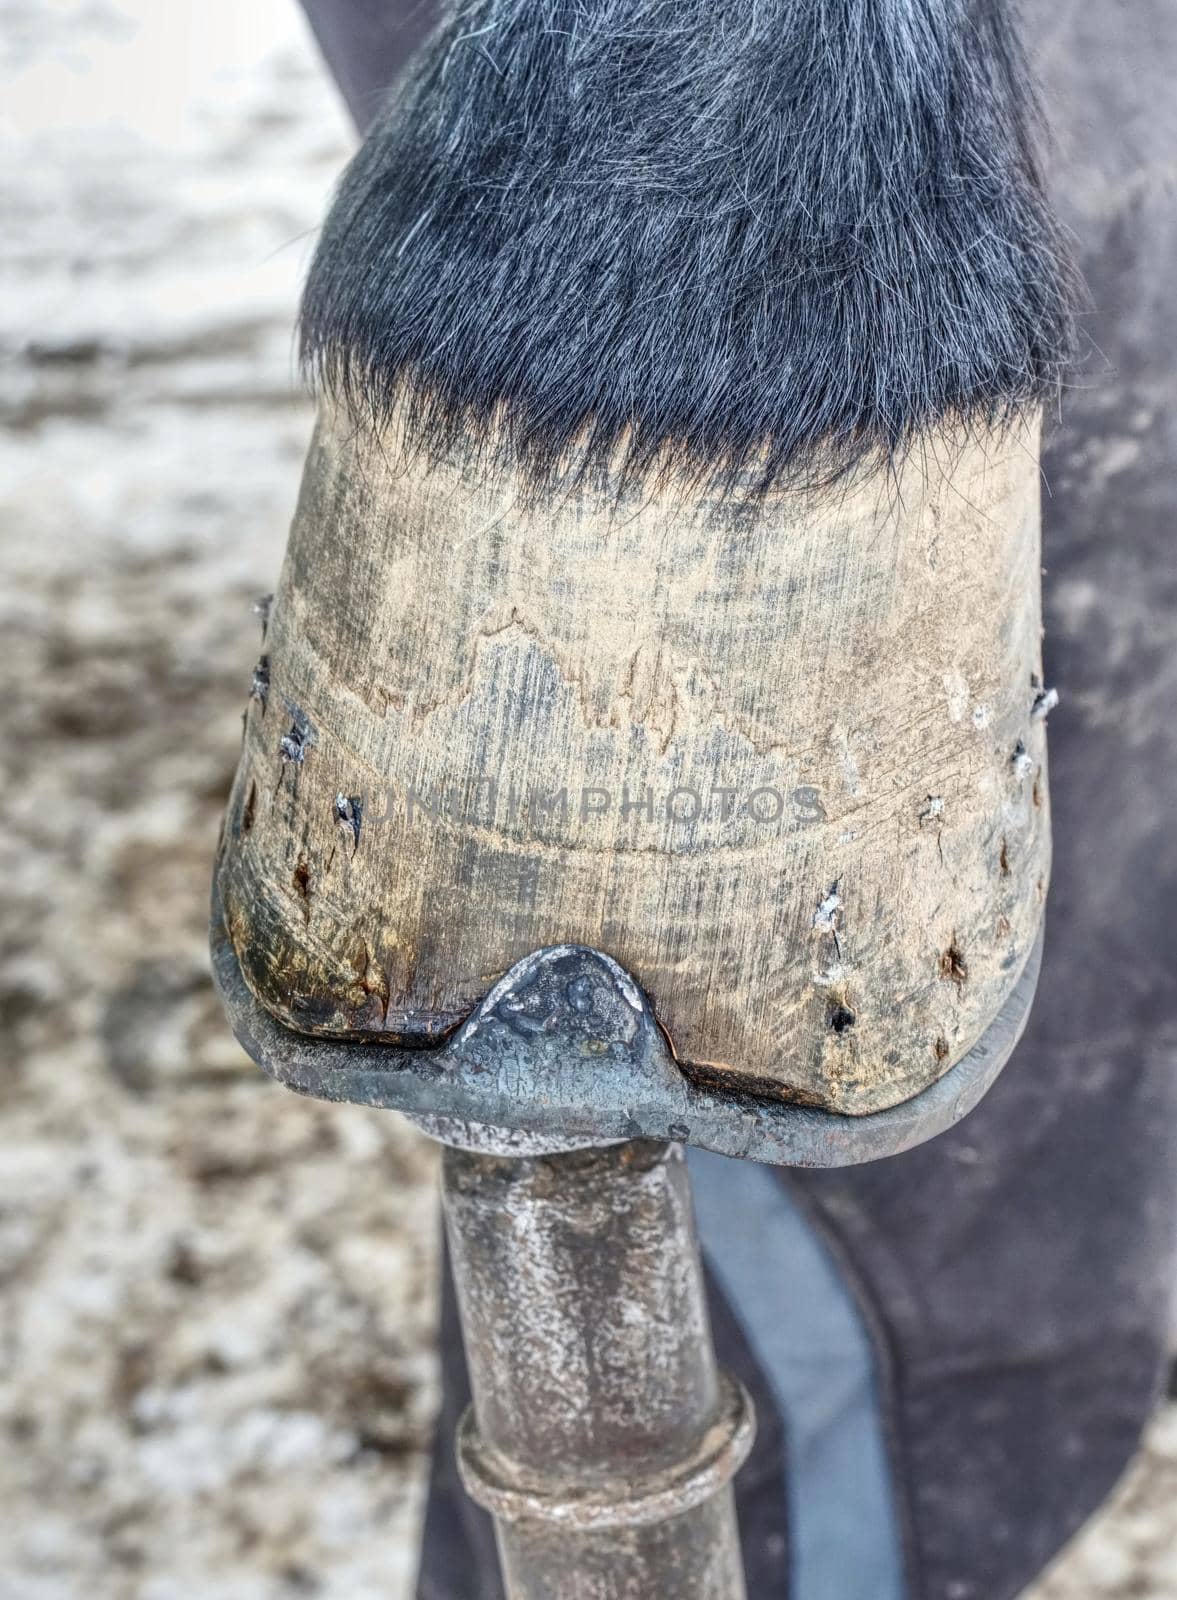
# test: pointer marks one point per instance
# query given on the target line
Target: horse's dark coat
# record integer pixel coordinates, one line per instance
(778, 234)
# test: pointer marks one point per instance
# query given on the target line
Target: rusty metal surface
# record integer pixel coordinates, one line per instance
(692, 1556)
(602, 1436)
(566, 1047)
(492, 1480)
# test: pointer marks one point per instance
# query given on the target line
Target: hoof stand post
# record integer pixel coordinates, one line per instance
(601, 1435)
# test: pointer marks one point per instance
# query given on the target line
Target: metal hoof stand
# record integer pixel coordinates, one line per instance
(602, 1437)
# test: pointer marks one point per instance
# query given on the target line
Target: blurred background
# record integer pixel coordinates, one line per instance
(217, 1377)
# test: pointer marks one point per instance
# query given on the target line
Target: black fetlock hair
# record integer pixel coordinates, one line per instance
(767, 239)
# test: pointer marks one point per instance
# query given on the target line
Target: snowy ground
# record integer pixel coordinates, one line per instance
(217, 1337)
(216, 1376)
